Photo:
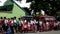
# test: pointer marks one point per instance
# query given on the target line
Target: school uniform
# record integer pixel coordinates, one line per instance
(5, 24)
(34, 25)
(21, 21)
(29, 26)
(15, 25)
(20, 26)
(52, 25)
(24, 27)
(56, 26)
(1, 24)
(33, 22)
(40, 25)
(47, 25)
(9, 23)
(12, 26)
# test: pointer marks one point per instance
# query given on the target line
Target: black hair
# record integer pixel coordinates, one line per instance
(1, 17)
(8, 18)
(4, 17)
(19, 18)
(14, 17)
(11, 18)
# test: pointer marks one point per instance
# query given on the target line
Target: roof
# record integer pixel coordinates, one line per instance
(16, 11)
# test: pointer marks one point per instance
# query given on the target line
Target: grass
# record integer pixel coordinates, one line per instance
(15, 12)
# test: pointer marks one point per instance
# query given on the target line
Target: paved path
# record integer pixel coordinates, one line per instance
(49, 32)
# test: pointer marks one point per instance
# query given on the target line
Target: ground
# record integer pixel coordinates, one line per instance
(49, 32)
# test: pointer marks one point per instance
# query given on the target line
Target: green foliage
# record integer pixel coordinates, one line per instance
(49, 6)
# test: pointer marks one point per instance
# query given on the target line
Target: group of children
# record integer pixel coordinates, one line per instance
(25, 25)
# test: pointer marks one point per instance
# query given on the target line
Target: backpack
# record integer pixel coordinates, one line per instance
(8, 31)
(17, 22)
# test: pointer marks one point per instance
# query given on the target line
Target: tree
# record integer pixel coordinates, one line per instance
(27, 10)
(49, 6)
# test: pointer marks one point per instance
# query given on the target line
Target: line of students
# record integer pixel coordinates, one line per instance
(5, 24)
(25, 25)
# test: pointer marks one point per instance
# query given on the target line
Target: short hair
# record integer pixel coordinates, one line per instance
(8, 18)
(4, 17)
(11, 18)
(15, 17)
(18, 18)
(1, 17)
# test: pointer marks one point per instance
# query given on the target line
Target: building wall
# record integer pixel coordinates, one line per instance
(5, 2)
(6, 5)
(16, 11)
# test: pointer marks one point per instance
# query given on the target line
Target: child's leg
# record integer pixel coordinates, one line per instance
(15, 28)
(12, 30)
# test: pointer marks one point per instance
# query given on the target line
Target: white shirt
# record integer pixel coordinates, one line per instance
(25, 21)
(29, 24)
(14, 21)
(36, 21)
(47, 23)
(19, 23)
(55, 24)
(22, 21)
(40, 22)
(33, 21)
(5, 21)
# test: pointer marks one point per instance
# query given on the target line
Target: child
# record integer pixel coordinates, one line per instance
(1, 22)
(12, 26)
(20, 25)
(9, 22)
(5, 24)
(40, 25)
(52, 25)
(25, 26)
(34, 27)
(47, 25)
(15, 24)
(29, 26)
